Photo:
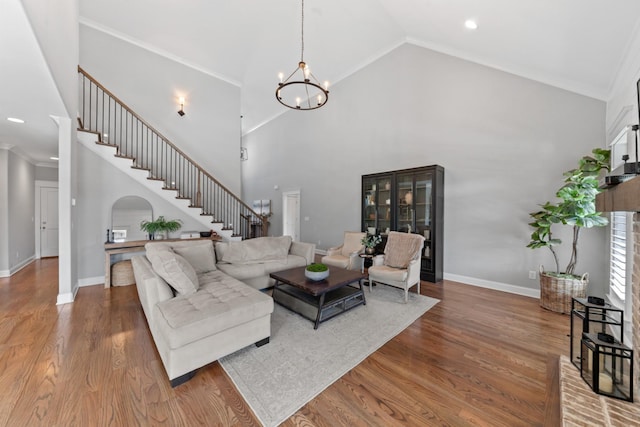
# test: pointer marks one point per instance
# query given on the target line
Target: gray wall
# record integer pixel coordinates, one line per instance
(150, 84)
(503, 140)
(101, 184)
(4, 211)
(21, 203)
(44, 173)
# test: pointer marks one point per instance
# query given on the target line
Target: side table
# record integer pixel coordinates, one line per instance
(367, 261)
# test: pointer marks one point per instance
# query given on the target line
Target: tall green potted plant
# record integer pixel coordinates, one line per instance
(159, 228)
(577, 209)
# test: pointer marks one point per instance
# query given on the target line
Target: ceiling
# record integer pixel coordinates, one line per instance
(577, 45)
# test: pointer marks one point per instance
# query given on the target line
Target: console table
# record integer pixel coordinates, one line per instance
(112, 248)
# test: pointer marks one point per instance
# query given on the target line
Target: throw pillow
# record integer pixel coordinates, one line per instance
(173, 268)
(199, 254)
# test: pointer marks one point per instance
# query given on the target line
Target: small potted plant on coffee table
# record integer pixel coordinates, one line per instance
(316, 272)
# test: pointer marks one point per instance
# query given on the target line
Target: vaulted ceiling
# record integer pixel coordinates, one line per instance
(577, 45)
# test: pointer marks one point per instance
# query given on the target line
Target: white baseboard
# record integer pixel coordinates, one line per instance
(91, 281)
(67, 297)
(504, 287)
(16, 268)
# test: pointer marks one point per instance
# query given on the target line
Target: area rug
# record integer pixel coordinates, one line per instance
(277, 379)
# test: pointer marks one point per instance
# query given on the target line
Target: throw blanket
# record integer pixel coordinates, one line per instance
(401, 248)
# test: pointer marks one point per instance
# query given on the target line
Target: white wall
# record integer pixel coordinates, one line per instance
(622, 107)
(503, 140)
(151, 85)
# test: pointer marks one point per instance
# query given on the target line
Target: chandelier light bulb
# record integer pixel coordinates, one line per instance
(280, 76)
(298, 102)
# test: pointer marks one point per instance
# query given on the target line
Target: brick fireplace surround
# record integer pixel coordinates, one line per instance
(580, 406)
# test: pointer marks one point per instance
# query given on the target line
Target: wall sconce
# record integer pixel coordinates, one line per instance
(244, 154)
(181, 110)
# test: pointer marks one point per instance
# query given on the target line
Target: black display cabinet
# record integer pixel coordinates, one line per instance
(408, 200)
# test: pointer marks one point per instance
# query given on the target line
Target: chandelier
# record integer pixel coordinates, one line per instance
(302, 90)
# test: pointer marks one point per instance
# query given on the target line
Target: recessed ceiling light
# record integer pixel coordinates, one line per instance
(14, 120)
(471, 24)
(53, 158)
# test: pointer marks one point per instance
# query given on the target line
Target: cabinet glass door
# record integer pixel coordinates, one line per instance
(384, 205)
(376, 204)
(369, 211)
(405, 204)
(423, 184)
(413, 209)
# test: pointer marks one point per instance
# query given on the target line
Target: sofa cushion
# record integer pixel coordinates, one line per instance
(173, 268)
(336, 261)
(252, 270)
(257, 250)
(387, 274)
(222, 302)
(199, 254)
(352, 243)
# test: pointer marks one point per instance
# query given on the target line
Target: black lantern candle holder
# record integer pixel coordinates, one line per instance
(592, 315)
(606, 365)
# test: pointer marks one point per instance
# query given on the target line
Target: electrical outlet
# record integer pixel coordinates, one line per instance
(532, 274)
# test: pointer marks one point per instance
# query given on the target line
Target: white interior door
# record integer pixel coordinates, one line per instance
(291, 215)
(48, 221)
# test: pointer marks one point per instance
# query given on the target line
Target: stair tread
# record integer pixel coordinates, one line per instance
(106, 144)
(140, 168)
(123, 156)
(153, 178)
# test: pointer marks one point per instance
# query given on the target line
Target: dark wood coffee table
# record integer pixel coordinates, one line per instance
(322, 300)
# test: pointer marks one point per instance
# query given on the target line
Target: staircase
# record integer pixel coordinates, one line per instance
(114, 132)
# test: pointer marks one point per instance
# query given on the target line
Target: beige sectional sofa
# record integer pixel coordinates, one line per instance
(197, 310)
(251, 261)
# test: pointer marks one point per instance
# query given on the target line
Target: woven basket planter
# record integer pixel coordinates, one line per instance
(122, 274)
(556, 292)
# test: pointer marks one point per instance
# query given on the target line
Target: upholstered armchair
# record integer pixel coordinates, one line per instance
(346, 255)
(400, 264)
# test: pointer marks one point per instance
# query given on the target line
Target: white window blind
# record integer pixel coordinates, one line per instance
(618, 261)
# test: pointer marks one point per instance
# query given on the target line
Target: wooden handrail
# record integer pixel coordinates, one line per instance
(164, 149)
(182, 153)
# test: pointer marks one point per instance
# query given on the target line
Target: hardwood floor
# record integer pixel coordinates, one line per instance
(478, 358)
